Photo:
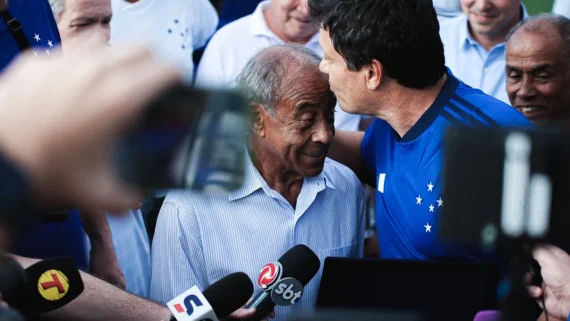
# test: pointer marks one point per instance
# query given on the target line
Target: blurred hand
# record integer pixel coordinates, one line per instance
(555, 271)
(59, 118)
(244, 313)
(104, 265)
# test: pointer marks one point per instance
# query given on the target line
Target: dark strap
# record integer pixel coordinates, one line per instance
(16, 29)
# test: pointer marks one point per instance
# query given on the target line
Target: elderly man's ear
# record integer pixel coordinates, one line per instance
(257, 112)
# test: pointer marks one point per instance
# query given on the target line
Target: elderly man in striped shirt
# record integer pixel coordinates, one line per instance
(292, 194)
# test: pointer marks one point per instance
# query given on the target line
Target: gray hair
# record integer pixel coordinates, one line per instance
(57, 8)
(261, 79)
(535, 24)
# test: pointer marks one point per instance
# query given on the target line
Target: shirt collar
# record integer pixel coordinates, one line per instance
(425, 121)
(253, 181)
(259, 25)
(466, 35)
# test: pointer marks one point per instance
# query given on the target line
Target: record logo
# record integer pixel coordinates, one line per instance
(269, 274)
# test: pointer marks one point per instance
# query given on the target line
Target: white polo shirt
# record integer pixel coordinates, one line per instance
(232, 46)
(562, 7)
(174, 28)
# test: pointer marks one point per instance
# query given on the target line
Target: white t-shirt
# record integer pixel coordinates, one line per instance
(562, 7)
(231, 48)
(174, 28)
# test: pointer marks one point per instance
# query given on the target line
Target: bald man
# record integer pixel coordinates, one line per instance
(538, 69)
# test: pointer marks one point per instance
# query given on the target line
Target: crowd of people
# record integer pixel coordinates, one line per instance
(349, 106)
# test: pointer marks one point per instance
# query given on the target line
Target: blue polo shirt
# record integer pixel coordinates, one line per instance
(39, 27)
(34, 239)
(407, 171)
(234, 9)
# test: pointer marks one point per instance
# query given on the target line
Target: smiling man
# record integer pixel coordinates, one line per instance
(474, 43)
(292, 194)
(274, 22)
(538, 69)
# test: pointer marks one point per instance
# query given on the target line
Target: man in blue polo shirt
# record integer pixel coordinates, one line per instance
(380, 64)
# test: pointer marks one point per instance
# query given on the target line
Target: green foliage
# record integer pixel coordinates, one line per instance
(538, 6)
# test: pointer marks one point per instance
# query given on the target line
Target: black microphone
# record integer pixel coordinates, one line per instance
(218, 301)
(44, 286)
(282, 282)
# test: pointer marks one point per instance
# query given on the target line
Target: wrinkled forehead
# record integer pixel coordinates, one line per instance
(88, 8)
(540, 45)
(306, 86)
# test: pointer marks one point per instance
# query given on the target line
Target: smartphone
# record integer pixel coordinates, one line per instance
(186, 139)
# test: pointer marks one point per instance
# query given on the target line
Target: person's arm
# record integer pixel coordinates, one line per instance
(103, 261)
(178, 261)
(101, 301)
(345, 149)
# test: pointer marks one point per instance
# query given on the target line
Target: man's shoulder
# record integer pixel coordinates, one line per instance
(448, 30)
(234, 32)
(189, 201)
(340, 176)
(489, 108)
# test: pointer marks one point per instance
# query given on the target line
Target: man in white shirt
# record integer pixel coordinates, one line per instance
(474, 43)
(292, 194)
(273, 22)
(447, 9)
(174, 28)
(562, 7)
(126, 236)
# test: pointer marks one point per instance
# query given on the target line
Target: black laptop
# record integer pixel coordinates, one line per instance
(436, 290)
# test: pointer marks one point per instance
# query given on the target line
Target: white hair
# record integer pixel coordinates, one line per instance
(57, 8)
(261, 78)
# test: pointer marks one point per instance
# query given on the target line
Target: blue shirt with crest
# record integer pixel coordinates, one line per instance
(407, 171)
(39, 27)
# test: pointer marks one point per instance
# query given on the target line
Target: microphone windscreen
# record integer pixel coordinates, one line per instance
(229, 294)
(14, 283)
(301, 263)
(56, 282)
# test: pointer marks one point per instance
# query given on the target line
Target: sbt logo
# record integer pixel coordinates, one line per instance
(287, 292)
(188, 307)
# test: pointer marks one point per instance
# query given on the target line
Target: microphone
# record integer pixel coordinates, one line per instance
(45, 286)
(282, 282)
(218, 301)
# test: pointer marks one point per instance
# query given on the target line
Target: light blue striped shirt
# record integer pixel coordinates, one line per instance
(471, 62)
(201, 238)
